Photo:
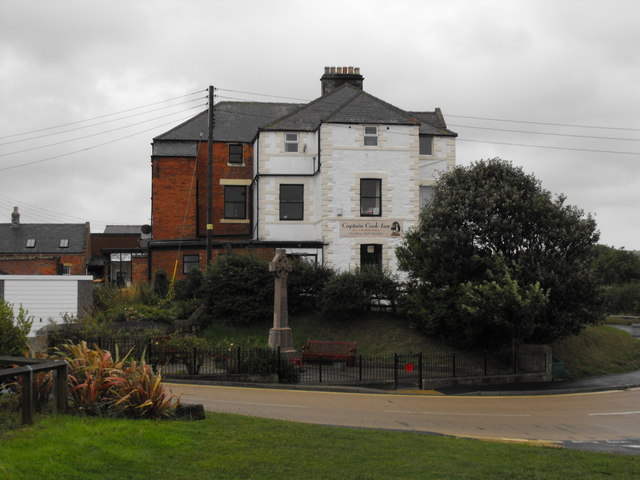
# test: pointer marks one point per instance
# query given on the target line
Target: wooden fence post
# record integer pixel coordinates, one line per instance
(27, 396)
(61, 392)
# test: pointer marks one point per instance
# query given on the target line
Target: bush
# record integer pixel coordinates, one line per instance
(239, 289)
(305, 284)
(622, 298)
(161, 284)
(344, 296)
(100, 385)
(13, 331)
(354, 292)
(190, 287)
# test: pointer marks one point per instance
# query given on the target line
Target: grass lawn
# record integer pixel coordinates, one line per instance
(236, 447)
(598, 350)
(376, 333)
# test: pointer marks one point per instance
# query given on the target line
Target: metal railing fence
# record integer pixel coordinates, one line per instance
(392, 370)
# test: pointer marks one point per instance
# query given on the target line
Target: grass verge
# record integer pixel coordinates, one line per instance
(233, 447)
(599, 350)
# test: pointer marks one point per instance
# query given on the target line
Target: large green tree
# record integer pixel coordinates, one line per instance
(497, 260)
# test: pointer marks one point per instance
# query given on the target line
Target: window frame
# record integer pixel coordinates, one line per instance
(64, 243)
(377, 197)
(430, 138)
(371, 136)
(227, 202)
(289, 145)
(235, 155)
(31, 243)
(285, 203)
(190, 265)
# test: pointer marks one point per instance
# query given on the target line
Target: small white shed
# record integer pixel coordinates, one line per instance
(48, 298)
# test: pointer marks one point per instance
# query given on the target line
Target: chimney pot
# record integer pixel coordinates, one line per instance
(334, 77)
(15, 216)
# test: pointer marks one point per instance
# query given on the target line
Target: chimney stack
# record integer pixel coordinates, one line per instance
(15, 217)
(335, 76)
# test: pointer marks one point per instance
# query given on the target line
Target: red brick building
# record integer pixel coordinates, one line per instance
(119, 256)
(44, 248)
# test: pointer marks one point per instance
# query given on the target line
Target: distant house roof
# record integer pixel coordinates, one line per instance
(39, 238)
(126, 229)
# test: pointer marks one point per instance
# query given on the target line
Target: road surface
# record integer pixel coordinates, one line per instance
(604, 421)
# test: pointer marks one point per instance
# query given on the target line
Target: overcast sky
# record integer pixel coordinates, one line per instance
(111, 75)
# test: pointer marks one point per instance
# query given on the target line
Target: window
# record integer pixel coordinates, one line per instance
(426, 145)
(291, 202)
(370, 197)
(64, 243)
(190, 263)
(290, 142)
(235, 202)
(235, 154)
(426, 195)
(370, 136)
(31, 243)
(371, 256)
(66, 269)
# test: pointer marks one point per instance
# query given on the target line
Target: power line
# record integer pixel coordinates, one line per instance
(545, 123)
(91, 147)
(262, 94)
(100, 116)
(95, 134)
(549, 147)
(101, 123)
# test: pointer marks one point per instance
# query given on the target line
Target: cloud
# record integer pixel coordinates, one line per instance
(570, 62)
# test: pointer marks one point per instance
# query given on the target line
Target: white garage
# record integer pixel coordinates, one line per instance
(47, 298)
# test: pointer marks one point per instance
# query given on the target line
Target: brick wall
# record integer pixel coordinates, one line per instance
(173, 198)
(29, 265)
(166, 259)
(139, 270)
(179, 199)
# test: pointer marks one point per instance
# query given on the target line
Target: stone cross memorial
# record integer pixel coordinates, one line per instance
(280, 335)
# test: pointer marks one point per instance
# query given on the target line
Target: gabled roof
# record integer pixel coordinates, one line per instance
(234, 122)
(347, 104)
(240, 121)
(13, 238)
(432, 123)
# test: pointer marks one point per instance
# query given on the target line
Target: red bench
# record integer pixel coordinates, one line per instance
(327, 350)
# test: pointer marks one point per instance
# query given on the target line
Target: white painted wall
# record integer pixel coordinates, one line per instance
(47, 298)
(333, 195)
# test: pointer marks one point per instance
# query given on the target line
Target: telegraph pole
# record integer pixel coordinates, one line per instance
(212, 123)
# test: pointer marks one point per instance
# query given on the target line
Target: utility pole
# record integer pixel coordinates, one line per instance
(212, 122)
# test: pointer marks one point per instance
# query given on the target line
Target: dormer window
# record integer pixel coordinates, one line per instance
(31, 243)
(290, 142)
(64, 243)
(370, 136)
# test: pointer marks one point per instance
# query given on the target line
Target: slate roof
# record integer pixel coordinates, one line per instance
(124, 229)
(240, 121)
(13, 239)
(234, 122)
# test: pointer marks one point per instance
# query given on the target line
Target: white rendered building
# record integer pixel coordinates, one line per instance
(346, 175)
